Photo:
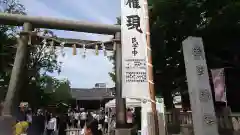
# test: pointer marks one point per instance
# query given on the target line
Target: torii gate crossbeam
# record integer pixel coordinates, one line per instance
(60, 24)
(51, 23)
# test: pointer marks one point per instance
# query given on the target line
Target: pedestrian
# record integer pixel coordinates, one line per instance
(39, 121)
(129, 117)
(22, 124)
(51, 125)
(71, 119)
(83, 118)
(105, 125)
(29, 115)
(29, 119)
(91, 128)
(62, 124)
(76, 118)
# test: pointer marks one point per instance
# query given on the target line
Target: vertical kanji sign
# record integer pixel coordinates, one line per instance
(134, 50)
(203, 113)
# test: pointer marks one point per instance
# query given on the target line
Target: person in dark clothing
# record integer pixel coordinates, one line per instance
(63, 124)
(58, 120)
(37, 126)
(21, 115)
(21, 121)
(92, 128)
(89, 116)
(39, 123)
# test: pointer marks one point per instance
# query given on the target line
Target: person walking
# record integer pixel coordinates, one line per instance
(83, 118)
(62, 124)
(76, 118)
(105, 125)
(39, 122)
(51, 125)
(22, 123)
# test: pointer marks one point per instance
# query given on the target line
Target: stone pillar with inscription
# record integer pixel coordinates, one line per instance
(203, 113)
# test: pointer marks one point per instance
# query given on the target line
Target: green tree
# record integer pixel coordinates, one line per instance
(113, 73)
(42, 59)
(217, 22)
(62, 93)
(54, 91)
(7, 44)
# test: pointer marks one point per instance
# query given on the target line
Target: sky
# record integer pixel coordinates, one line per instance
(82, 73)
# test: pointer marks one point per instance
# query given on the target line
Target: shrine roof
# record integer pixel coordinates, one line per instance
(92, 94)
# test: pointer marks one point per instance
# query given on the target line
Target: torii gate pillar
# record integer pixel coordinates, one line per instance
(7, 121)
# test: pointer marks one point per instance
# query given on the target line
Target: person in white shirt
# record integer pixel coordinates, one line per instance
(94, 115)
(76, 119)
(51, 125)
(105, 123)
(83, 118)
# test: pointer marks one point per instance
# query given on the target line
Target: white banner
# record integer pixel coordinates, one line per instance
(134, 50)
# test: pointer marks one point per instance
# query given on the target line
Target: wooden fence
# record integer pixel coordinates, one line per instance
(228, 124)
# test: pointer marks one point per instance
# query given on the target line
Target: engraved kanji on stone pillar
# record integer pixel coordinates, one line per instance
(204, 119)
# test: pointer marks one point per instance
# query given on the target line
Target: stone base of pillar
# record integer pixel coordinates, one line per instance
(7, 124)
(125, 131)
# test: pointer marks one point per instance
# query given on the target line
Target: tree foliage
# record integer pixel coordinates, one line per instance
(7, 44)
(62, 93)
(55, 90)
(217, 22)
(113, 73)
(42, 59)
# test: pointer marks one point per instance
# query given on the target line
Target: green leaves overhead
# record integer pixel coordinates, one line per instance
(217, 22)
(41, 61)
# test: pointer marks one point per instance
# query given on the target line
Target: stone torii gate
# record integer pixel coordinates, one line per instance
(28, 23)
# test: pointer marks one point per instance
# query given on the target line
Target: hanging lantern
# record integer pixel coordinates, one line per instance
(62, 48)
(84, 51)
(74, 49)
(104, 49)
(96, 49)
